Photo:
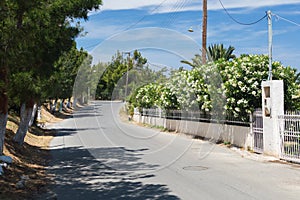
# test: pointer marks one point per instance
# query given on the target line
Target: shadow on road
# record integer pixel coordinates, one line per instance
(78, 174)
(61, 132)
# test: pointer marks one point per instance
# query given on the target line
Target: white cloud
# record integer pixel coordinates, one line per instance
(162, 6)
(147, 39)
(228, 4)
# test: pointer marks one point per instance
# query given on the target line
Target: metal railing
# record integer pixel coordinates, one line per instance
(289, 127)
(197, 116)
(258, 139)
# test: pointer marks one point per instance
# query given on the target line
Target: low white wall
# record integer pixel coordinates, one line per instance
(236, 135)
(155, 121)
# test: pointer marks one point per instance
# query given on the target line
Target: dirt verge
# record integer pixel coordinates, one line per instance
(26, 176)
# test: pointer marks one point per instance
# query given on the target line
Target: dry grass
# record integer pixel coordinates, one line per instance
(30, 160)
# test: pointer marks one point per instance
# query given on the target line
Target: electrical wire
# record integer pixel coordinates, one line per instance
(141, 19)
(241, 23)
(287, 20)
(173, 12)
(134, 24)
(160, 66)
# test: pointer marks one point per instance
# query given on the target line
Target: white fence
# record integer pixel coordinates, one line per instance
(240, 133)
(198, 124)
(289, 127)
(258, 139)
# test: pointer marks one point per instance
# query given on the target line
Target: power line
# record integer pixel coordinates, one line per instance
(160, 66)
(141, 19)
(134, 24)
(173, 12)
(287, 20)
(241, 23)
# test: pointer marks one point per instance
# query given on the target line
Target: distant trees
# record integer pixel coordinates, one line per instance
(112, 84)
(64, 74)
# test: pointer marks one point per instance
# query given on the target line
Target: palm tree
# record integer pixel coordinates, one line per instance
(196, 61)
(217, 51)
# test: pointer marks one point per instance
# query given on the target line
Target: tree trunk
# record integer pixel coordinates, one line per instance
(25, 116)
(60, 105)
(33, 114)
(53, 106)
(3, 121)
(3, 105)
(64, 106)
(69, 103)
(75, 103)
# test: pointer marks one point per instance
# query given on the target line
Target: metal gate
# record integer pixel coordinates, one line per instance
(258, 146)
(289, 127)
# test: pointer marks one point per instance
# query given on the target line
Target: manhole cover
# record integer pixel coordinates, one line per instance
(195, 168)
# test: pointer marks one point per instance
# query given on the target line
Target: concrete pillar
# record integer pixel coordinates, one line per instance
(272, 106)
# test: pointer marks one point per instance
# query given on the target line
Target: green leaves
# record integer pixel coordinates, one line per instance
(112, 83)
(218, 51)
(232, 86)
(34, 34)
(24, 87)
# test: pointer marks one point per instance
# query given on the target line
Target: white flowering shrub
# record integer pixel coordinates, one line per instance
(167, 98)
(190, 90)
(231, 86)
(147, 96)
(242, 79)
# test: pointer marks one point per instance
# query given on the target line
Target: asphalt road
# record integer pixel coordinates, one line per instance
(96, 156)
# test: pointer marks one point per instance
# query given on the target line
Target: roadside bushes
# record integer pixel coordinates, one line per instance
(233, 86)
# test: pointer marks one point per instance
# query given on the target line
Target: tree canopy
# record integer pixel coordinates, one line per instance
(34, 34)
(112, 83)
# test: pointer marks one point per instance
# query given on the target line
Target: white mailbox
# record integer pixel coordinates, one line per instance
(267, 101)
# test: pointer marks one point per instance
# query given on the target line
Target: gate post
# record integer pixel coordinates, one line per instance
(272, 106)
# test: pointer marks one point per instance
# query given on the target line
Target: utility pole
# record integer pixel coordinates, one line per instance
(204, 31)
(126, 87)
(270, 43)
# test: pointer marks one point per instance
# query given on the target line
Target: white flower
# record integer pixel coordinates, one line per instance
(240, 101)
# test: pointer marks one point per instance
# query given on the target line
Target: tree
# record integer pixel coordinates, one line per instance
(7, 46)
(114, 72)
(217, 51)
(82, 83)
(196, 61)
(32, 24)
(63, 77)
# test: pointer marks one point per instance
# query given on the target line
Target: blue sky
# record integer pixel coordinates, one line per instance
(159, 29)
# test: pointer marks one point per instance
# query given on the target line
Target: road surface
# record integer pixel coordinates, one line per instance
(97, 156)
